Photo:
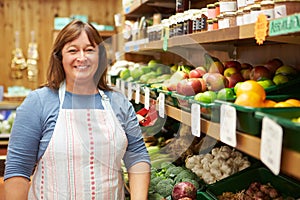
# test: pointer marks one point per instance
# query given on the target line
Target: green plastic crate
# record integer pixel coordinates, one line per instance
(290, 87)
(169, 100)
(283, 117)
(183, 101)
(246, 120)
(203, 196)
(287, 187)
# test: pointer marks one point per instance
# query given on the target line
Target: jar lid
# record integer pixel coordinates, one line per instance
(217, 4)
(211, 6)
(255, 7)
(215, 19)
(210, 21)
(221, 16)
(280, 1)
(229, 14)
(267, 2)
(247, 8)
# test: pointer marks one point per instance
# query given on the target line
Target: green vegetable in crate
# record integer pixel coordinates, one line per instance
(185, 174)
(125, 73)
(173, 171)
(144, 78)
(163, 69)
(165, 187)
(136, 73)
(155, 196)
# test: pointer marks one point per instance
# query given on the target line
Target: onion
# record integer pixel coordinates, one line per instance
(184, 190)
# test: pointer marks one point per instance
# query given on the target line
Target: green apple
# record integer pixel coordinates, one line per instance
(206, 97)
(286, 70)
(226, 94)
(280, 79)
(236, 86)
(229, 71)
(266, 83)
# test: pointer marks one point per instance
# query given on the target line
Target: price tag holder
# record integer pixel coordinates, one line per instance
(228, 125)
(129, 92)
(118, 83)
(147, 97)
(137, 93)
(271, 144)
(195, 119)
(123, 86)
(161, 105)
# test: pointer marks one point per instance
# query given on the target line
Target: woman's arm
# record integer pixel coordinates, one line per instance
(16, 188)
(139, 180)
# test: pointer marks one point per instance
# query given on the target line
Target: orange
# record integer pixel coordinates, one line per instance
(253, 86)
(294, 102)
(269, 103)
(250, 98)
(283, 104)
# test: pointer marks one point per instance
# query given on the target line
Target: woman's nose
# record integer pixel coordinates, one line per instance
(81, 56)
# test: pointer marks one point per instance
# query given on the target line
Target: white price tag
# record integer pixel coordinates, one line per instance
(147, 98)
(118, 84)
(129, 92)
(195, 119)
(137, 93)
(123, 87)
(161, 105)
(228, 125)
(271, 144)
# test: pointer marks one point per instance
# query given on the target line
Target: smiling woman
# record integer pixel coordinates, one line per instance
(76, 130)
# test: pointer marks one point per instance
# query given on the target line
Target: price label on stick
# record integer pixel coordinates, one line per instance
(195, 119)
(123, 86)
(147, 98)
(271, 144)
(228, 125)
(137, 93)
(129, 92)
(161, 105)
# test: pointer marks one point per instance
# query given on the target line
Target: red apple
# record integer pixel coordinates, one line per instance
(246, 73)
(273, 64)
(230, 70)
(197, 72)
(216, 67)
(232, 63)
(234, 79)
(215, 81)
(246, 66)
(260, 72)
(189, 87)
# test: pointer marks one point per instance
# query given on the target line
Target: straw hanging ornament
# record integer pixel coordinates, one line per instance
(18, 63)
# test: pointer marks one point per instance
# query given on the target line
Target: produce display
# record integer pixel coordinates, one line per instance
(256, 190)
(220, 163)
(6, 122)
(171, 180)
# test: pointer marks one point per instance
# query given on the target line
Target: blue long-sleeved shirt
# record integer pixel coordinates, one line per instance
(35, 121)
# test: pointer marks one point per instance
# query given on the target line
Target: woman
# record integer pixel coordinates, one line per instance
(73, 133)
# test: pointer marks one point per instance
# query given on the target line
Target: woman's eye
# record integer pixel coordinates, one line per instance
(90, 50)
(72, 51)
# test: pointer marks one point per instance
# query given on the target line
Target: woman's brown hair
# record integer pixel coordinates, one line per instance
(56, 74)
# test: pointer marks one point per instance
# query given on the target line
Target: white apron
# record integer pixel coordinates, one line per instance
(83, 158)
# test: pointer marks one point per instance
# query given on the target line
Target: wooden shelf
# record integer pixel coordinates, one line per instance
(149, 7)
(247, 143)
(215, 39)
(9, 105)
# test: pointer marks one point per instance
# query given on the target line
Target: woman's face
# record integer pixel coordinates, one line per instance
(80, 60)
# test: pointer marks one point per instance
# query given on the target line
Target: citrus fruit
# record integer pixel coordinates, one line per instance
(236, 86)
(250, 98)
(294, 102)
(226, 94)
(283, 104)
(251, 86)
(269, 103)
